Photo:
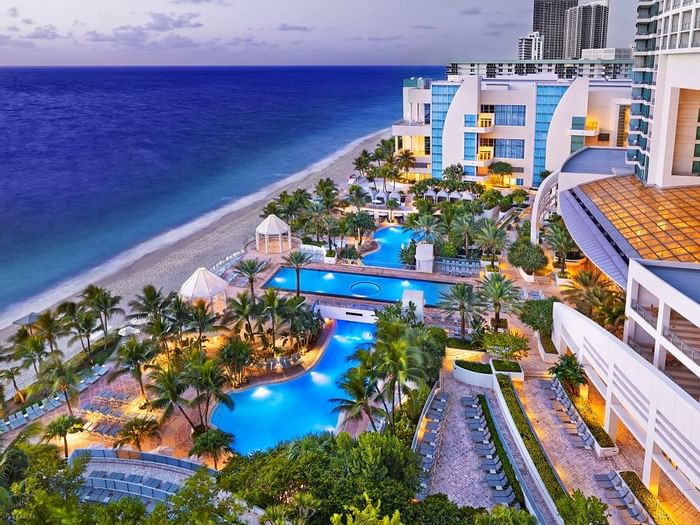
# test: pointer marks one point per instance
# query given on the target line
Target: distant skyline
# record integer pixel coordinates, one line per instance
(249, 32)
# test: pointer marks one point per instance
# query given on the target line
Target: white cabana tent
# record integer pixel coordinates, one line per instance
(455, 196)
(442, 196)
(273, 227)
(396, 196)
(430, 194)
(467, 196)
(206, 286)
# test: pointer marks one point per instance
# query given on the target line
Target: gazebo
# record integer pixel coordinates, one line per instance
(273, 227)
(205, 286)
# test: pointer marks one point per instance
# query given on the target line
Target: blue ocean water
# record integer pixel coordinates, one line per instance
(94, 161)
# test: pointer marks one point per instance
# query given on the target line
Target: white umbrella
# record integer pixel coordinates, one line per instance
(128, 331)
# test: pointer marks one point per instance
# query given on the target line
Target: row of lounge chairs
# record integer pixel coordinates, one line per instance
(103, 428)
(271, 363)
(118, 398)
(428, 446)
(620, 497)
(101, 408)
(458, 267)
(491, 464)
(570, 418)
(103, 487)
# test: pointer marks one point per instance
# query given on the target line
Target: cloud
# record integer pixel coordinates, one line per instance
(246, 41)
(28, 21)
(174, 41)
(290, 27)
(125, 35)
(167, 22)
(12, 12)
(424, 27)
(6, 40)
(13, 29)
(199, 2)
(384, 38)
(471, 11)
(47, 32)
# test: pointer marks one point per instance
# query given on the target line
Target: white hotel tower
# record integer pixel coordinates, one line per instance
(636, 215)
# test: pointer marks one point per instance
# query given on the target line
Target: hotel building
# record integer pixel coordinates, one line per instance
(548, 19)
(610, 68)
(636, 215)
(530, 46)
(532, 123)
(585, 27)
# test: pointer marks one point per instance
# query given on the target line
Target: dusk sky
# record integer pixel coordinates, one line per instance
(112, 32)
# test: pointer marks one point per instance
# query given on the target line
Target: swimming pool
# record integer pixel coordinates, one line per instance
(390, 240)
(265, 415)
(357, 285)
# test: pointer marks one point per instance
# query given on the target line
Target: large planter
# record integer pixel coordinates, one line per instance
(330, 260)
(515, 376)
(604, 452)
(488, 273)
(544, 355)
(562, 282)
(470, 377)
(528, 278)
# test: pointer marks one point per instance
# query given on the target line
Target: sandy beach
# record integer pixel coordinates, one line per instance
(212, 238)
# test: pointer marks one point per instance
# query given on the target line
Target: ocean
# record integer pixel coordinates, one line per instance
(94, 161)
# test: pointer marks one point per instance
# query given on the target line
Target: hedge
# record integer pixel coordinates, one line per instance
(532, 444)
(506, 366)
(599, 433)
(646, 498)
(501, 451)
(547, 344)
(462, 344)
(479, 368)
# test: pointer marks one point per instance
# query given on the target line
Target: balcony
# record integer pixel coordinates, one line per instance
(410, 128)
(589, 129)
(647, 314)
(685, 336)
(484, 124)
(483, 158)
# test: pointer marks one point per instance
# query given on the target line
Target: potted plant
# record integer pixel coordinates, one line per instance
(537, 314)
(330, 257)
(560, 241)
(508, 348)
(528, 258)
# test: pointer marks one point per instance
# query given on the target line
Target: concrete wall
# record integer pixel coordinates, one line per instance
(342, 313)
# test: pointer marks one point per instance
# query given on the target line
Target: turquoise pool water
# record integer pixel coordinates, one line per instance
(266, 415)
(390, 241)
(358, 285)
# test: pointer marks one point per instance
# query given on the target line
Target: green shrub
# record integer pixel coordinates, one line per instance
(462, 344)
(646, 498)
(479, 368)
(547, 343)
(330, 253)
(501, 451)
(599, 433)
(532, 444)
(537, 314)
(506, 366)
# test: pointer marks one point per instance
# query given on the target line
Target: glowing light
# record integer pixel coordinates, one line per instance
(341, 339)
(405, 284)
(261, 393)
(280, 279)
(329, 276)
(367, 335)
(320, 379)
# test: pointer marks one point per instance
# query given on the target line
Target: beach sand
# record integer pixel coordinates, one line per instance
(170, 265)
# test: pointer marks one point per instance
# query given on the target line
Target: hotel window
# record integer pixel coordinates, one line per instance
(426, 113)
(509, 115)
(469, 121)
(697, 134)
(469, 146)
(576, 144)
(697, 151)
(399, 142)
(509, 148)
(696, 168)
(578, 123)
(519, 182)
(426, 142)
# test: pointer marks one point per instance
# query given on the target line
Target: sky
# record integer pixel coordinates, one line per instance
(249, 32)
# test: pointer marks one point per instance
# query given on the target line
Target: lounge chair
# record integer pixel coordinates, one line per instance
(496, 477)
(504, 500)
(497, 484)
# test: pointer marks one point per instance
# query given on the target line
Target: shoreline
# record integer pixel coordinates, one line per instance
(169, 258)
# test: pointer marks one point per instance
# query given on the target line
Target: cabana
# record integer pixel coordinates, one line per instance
(205, 286)
(273, 227)
(27, 321)
(379, 198)
(430, 194)
(467, 196)
(455, 196)
(442, 196)
(396, 196)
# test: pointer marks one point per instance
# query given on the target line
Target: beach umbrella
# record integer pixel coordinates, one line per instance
(128, 331)
(28, 321)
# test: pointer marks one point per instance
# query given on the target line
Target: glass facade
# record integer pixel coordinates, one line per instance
(441, 98)
(509, 115)
(548, 98)
(576, 144)
(470, 146)
(469, 121)
(578, 123)
(509, 148)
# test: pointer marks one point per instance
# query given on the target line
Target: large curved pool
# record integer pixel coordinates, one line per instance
(389, 240)
(268, 414)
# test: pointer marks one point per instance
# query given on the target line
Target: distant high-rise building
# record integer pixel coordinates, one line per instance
(548, 19)
(585, 27)
(530, 47)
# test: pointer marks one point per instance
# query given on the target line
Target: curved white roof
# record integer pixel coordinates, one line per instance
(203, 284)
(272, 225)
(443, 193)
(395, 195)
(429, 193)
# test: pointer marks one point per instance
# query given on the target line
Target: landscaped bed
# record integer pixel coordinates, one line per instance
(506, 366)
(472, 366)
(463, 344)
(599, 433)
(646, 498)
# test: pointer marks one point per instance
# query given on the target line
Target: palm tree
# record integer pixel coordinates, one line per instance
(233, 356)
(466, 227)
(61, 378)
(180, 315)
(168, 387)
(31, 352)
(330, 227)
(209, 380)
(61, 427)
(213, 442)
(11, 374)
(83, 324)
(502, 514)
(426, 228)
(570, 373)
(405, 161)
(460, 299)
(362, 163)
(297, 260)
(203, 320)
(491, 238)
(391, 205)
(327, 190)
(160, 330)
(242, 310)
(132, 358)
(151, 303)
(273, 307)
(104, 304)
(356, 196)
(250, 268)
(50, 327)
(588, 291)
(498, 293)
(360, 390)
(136, 430)
(362, 223)
(560, 241)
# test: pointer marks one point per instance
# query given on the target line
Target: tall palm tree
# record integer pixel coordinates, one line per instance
(132, 358)
(314, 219)
(405, 161)
(297, 260)
(168, 387)
(327, 191)
(11, 373)
(362, 163)
(426, 228)
(460, 299)
(214, 443)
(498, 293)
(362, 223)
(50, 328)
(160, 329)
(104, 304)
(61, 427)
(210, 381)
(250, 268)
(560, 241)
(180, 315)
(391, 205)
(31, 352)
(233, 357)
(330, 227)
(360, 390)
(241, 311)
(60, 378)
(204, 320)
(273, 308)
(466, 227)
(149, 304)
(356, 196)
(570, 373)
(491, 238)
(83, 324)
(588, 291)
(136, 430)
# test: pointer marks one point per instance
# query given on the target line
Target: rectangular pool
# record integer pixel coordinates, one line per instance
(355, 285)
